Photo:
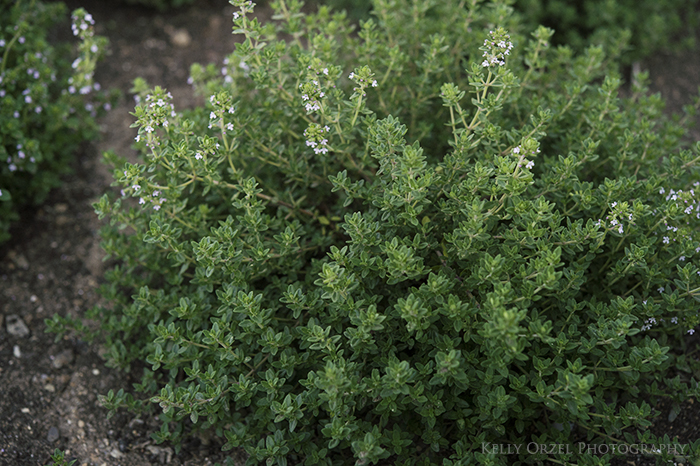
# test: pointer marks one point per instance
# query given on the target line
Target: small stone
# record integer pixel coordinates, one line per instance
(115, 453)
(16, 351)
(16, 326)
(95, 372)
(63, 358)
(60, 208)
(180, 38)
(62, 220)
(19, 259)
(49, 388)
(53, 435)
(33, 298)
(25, 410)
(81, 424)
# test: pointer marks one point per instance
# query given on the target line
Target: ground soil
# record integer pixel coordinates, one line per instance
(53, 264)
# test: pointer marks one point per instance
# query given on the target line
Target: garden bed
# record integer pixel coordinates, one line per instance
(53, 264)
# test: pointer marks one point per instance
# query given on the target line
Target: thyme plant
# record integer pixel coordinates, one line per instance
(48, 105)
(404, 244)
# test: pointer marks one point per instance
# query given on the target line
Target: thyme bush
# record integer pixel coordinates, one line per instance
(48, 101)
(404, 245)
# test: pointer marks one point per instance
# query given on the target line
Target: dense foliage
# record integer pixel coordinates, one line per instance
(652, 25)
(47, 103)
(404, 244)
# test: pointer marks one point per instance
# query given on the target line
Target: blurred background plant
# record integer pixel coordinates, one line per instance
(48, 101)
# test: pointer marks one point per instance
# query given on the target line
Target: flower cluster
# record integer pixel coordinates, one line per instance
(156, 111)
(223, 108)
(245, 7)
(90, 48)
(82, 23)
(155, 200)
(496, 48)
(317, 138)
(311, 95)
(364, 78)
(651, 321)
(687, 205)
(529, 148)
(685, 200)
(619, 212)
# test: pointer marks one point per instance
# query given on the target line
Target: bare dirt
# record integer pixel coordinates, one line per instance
(49, 390)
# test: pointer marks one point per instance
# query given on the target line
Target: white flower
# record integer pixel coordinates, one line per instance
(620, 229)
(156, 207)
(674, 320)
(530, 164)
(666, 239)
(325, 71)
(212, 115)
(516, 150)
(198, 156)
(142, 201)
(149, 129)
(374, 83)
(352, 75)
(682, 258)
(661, 289)
(613, 204)
(691, 331)
(136, 187)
